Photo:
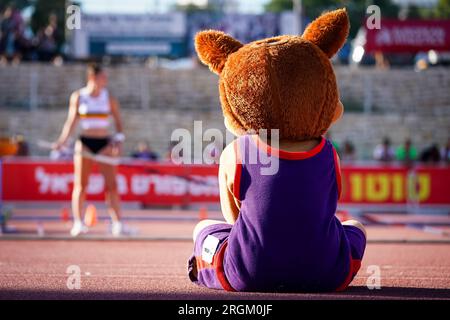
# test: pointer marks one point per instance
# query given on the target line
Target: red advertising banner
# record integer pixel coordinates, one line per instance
(409, 36)
(395, 185)
(148, 183)
(162, 183)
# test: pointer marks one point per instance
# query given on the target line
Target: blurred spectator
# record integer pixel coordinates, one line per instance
(406, 153)
(10, 26)
(47, 39)
(18, 42)
(445, 152)
(6, 26)
(23, 43)
(384, 151)
(348, 151)
(144, 152)
(431, 154)
(22, 146)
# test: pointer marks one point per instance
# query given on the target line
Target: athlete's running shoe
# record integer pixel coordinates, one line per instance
(78, 228)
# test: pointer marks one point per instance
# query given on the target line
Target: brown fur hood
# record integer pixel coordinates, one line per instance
(284, 83)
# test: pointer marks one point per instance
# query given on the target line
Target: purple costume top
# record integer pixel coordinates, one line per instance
(287, 236)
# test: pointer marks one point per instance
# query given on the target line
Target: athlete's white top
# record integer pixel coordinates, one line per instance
(94, 111)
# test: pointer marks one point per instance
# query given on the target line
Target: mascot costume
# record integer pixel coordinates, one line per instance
(280, 231)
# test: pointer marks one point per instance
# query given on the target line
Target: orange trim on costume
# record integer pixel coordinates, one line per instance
(94, 115)
(355, 265)
(220, 271)
(290, 155)
(202, 264)
(218, 265)
(238, 172)
(337, 167)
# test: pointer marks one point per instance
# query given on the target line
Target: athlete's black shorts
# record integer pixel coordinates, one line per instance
(95, 145)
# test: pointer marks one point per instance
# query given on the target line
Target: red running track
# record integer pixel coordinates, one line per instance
(154, 269)
(157, 270)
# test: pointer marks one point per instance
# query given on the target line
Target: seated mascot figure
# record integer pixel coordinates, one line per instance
(280, 231)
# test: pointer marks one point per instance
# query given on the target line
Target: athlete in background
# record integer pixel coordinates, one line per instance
(92, 107)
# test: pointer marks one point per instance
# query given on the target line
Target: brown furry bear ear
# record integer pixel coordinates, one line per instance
(213, 48)
(329, 31)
